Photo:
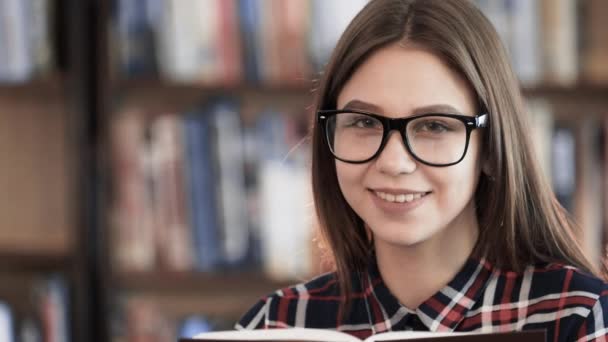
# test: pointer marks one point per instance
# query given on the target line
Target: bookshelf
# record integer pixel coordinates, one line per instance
(43, 276)
(132, 82)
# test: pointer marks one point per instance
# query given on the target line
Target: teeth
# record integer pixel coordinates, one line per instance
(401, 198)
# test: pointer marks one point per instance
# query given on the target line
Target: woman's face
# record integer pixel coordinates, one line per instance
(399, 81)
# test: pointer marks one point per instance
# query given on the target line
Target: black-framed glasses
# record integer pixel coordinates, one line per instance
(434, 139)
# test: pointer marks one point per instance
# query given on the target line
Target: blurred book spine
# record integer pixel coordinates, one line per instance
(6, 323)
(563, 159)
(204, 214)
(595, 41)
(230, 178)
(588, 204)
(27, 38)
(560, 41)
(135, 23)
(34, 309)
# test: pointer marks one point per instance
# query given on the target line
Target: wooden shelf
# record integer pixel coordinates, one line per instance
(41, 90)
(583, 90)
(305, 88)
(188, 283)
(161, 96)
(224, 295)
(156, 96)
(572, 102)
(297, 88)
(579, 94)
(25, 261)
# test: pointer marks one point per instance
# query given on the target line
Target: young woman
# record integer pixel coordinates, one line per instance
(428, 191)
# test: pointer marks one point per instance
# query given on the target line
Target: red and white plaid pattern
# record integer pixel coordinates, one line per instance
(569, 304)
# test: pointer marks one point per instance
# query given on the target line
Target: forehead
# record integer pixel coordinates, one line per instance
(399, 80)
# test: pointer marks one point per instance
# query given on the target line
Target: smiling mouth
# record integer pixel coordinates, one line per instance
(400, 198)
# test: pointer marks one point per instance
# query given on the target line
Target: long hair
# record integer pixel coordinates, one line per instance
(520, 220)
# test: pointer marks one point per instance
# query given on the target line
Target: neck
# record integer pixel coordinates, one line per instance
(415, 273)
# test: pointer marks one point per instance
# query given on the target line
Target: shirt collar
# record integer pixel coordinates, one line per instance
(440, 313)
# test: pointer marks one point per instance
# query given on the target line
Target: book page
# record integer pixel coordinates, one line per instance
(315, 335)
(405, 335)
(512, 336)
(292, 334)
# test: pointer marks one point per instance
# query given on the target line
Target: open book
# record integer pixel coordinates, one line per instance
(317, 335)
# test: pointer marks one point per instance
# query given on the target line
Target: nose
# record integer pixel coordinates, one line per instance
(395, 159)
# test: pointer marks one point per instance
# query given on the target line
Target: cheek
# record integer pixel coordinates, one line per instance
(458, 182)
(350, 179)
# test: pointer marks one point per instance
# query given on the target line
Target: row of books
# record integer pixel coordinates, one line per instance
(553, 41)
(143, 319)
(26, 38)
(205, 191)
(227, 41)
(573, 155)
(34, 310)
(208, 191)
(273, 41)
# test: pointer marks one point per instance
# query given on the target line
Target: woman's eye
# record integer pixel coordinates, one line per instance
(365, 123)
(433, 127)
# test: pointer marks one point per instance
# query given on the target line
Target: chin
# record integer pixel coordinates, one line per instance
(403, 238)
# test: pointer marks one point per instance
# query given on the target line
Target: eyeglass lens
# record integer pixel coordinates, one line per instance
(433, 139)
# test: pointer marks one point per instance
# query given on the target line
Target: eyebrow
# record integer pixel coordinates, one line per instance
(435, 108)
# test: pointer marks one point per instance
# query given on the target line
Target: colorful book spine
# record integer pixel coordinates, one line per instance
(249, 27)
(200, 180)
(228, 149)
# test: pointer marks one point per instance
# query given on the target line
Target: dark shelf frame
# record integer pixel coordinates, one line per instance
(86, 47)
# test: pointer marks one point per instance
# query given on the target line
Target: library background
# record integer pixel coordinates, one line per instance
(154, 170)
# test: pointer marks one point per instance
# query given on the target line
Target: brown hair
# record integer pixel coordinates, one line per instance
(520, 220)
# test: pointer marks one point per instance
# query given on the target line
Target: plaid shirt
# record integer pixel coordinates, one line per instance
(569, 304)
